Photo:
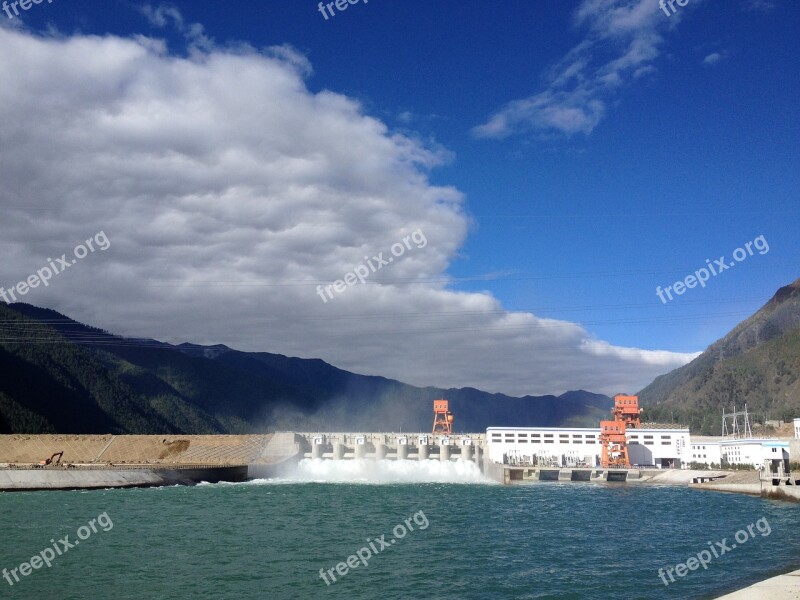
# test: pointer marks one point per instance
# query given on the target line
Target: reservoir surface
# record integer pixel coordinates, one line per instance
(270, 539)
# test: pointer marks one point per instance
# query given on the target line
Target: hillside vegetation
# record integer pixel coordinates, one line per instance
(757, 363)
(60, 376)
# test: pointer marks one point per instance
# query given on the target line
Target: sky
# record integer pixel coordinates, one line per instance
(450, 193)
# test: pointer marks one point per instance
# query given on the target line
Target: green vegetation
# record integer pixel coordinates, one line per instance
(757, 364)
(48, 385)
(57, 375)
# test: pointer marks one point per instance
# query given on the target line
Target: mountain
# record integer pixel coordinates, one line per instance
(61, 376)
(757, 363)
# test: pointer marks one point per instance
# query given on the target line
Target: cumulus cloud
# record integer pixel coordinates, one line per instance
(229, 191)
(712, 59)
(622, 40)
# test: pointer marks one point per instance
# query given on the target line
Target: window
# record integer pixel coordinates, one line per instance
(666, 443)
(548, 441)
(563, 435)
(548, 435)
(646, 443)
(648, 437)
(666, 437)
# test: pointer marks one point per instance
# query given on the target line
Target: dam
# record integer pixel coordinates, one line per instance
(104, 461)
(107, 461)
(290, 448)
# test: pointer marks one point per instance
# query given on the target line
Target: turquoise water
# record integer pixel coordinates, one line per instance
(269, 540)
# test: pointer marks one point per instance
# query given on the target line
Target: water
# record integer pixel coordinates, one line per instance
(269, 539)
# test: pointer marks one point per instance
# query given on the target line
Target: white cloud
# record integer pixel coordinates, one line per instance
(229, 190)
(712, 59)
(622, 41)
(166, 15)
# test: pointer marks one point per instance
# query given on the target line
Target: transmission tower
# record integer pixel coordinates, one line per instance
(735, 430)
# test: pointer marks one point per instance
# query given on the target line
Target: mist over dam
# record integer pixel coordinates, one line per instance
(108, 461)
(100, 461)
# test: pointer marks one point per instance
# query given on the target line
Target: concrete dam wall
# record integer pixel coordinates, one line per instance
(101, 461)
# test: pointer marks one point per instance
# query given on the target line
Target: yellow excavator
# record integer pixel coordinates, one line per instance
(47, 461)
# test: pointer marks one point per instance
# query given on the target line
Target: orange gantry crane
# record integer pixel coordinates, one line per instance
(613, 441)
(442, 417)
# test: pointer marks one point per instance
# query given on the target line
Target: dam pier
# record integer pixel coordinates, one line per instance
(287, 449)
(393, 446)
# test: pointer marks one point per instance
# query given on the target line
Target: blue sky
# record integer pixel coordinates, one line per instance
(593, 150)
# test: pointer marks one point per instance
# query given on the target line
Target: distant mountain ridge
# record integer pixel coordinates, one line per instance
(61, 376)
(757, 363)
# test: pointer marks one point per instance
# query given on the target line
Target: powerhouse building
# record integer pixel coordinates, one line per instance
(742, 451)
(580, 446)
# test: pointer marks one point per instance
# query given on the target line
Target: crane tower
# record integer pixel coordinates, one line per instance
(613, 441)
(442, 417)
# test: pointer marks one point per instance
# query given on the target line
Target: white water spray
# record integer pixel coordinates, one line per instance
(385, 471)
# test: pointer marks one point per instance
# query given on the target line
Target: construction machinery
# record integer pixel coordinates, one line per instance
(47, 461)
(442, 417)
(613, 441)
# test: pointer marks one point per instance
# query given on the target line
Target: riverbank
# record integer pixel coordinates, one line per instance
(121, 461)
(754, 483)
(782, 587)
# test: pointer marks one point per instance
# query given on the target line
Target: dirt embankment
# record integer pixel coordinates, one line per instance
(133, 449)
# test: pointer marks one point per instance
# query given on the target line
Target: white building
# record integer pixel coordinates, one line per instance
(797, 429)
(706, 451)
(580, 446)
(749, 451)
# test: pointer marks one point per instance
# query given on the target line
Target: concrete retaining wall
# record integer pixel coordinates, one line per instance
(752, 489)
(781, 492)
(277, 457)
(70, 479)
